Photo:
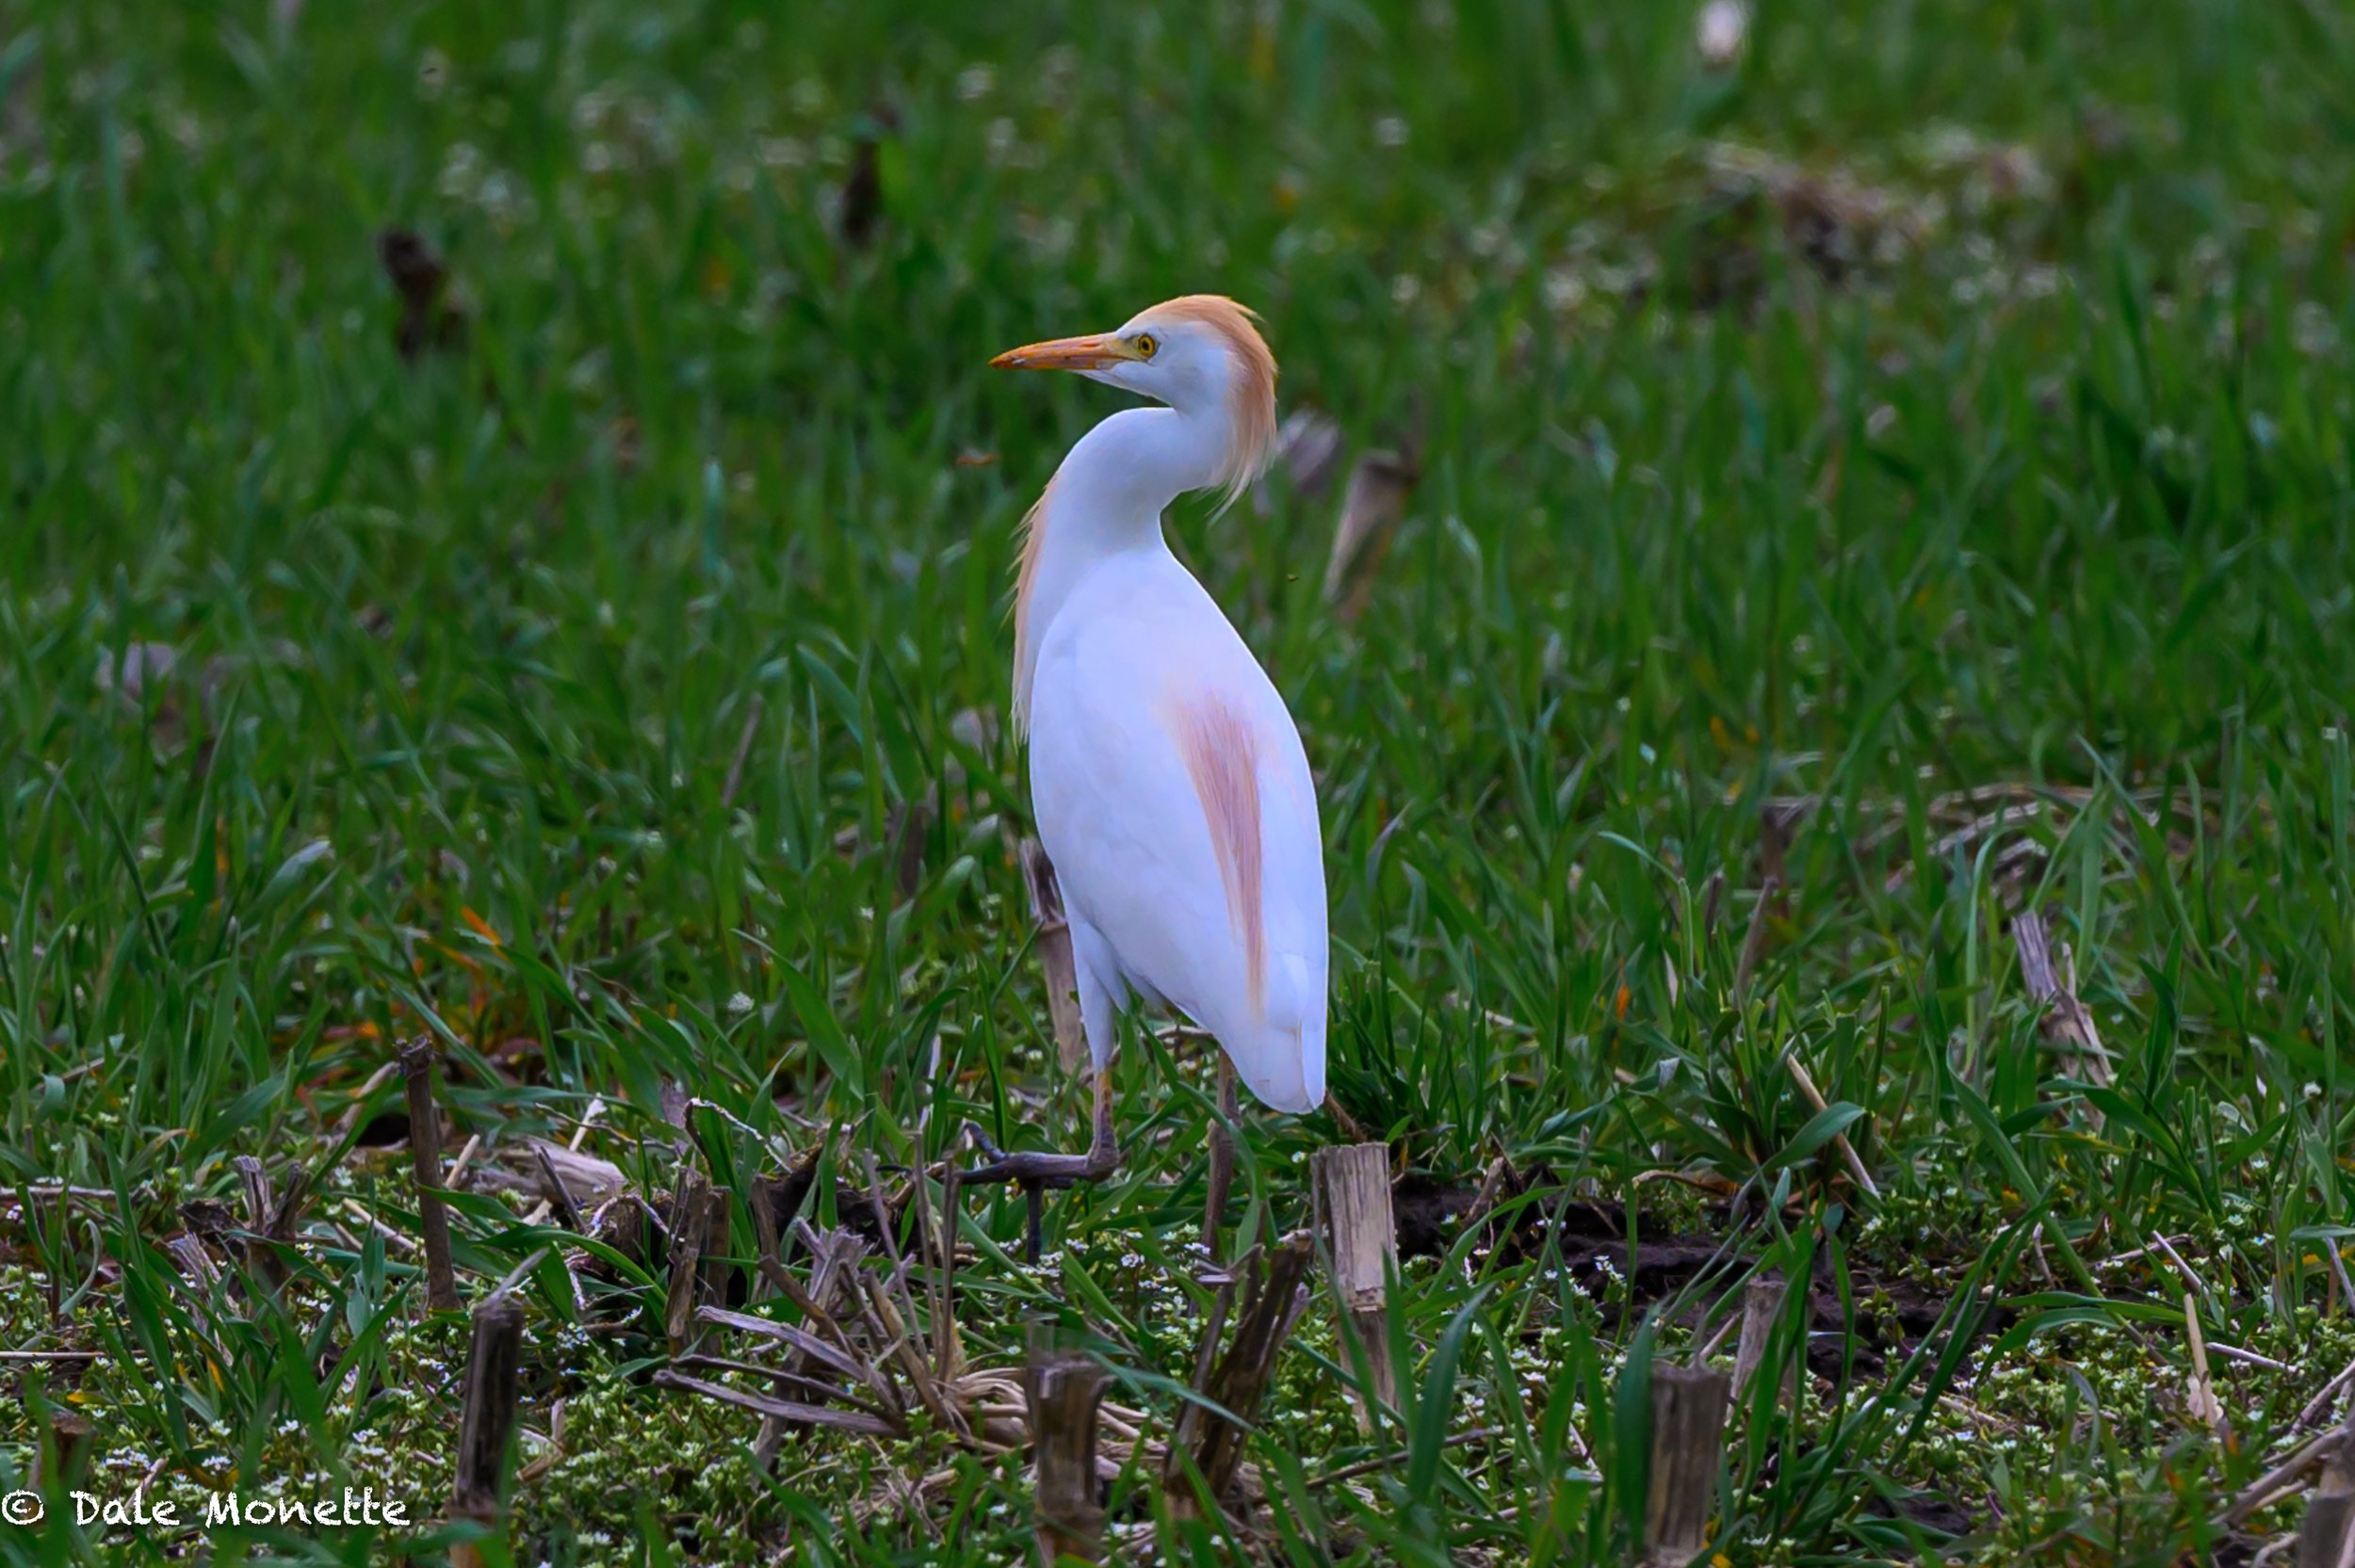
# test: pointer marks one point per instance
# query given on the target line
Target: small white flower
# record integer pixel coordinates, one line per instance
(1723, 28)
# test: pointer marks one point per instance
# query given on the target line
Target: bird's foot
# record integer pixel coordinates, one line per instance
(1043, 1170)
(1035, 1172)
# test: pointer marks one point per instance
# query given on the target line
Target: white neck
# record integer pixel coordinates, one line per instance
(1105, 501)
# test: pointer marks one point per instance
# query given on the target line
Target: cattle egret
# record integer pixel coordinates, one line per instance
(1167, 776)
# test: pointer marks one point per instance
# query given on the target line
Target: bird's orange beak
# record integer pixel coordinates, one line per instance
(1092, 353)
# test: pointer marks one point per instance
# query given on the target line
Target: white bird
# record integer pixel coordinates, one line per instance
(1168, 778)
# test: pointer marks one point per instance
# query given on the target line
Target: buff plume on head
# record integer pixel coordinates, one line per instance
(1250, 396)
(1196, 353)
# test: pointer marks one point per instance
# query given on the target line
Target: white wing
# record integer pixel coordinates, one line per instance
(1174, 797)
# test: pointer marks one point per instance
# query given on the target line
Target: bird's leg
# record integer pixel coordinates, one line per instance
(1348, 1122)
(1106, 1147)
(1033, 1170)
(1222, 1157)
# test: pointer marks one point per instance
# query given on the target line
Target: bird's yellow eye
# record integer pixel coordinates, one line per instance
(1145, 346)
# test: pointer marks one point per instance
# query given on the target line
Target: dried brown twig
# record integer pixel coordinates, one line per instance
(2067, 1022)
(852, 1364)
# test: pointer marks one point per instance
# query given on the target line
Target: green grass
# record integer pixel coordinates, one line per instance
(2035, 477)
